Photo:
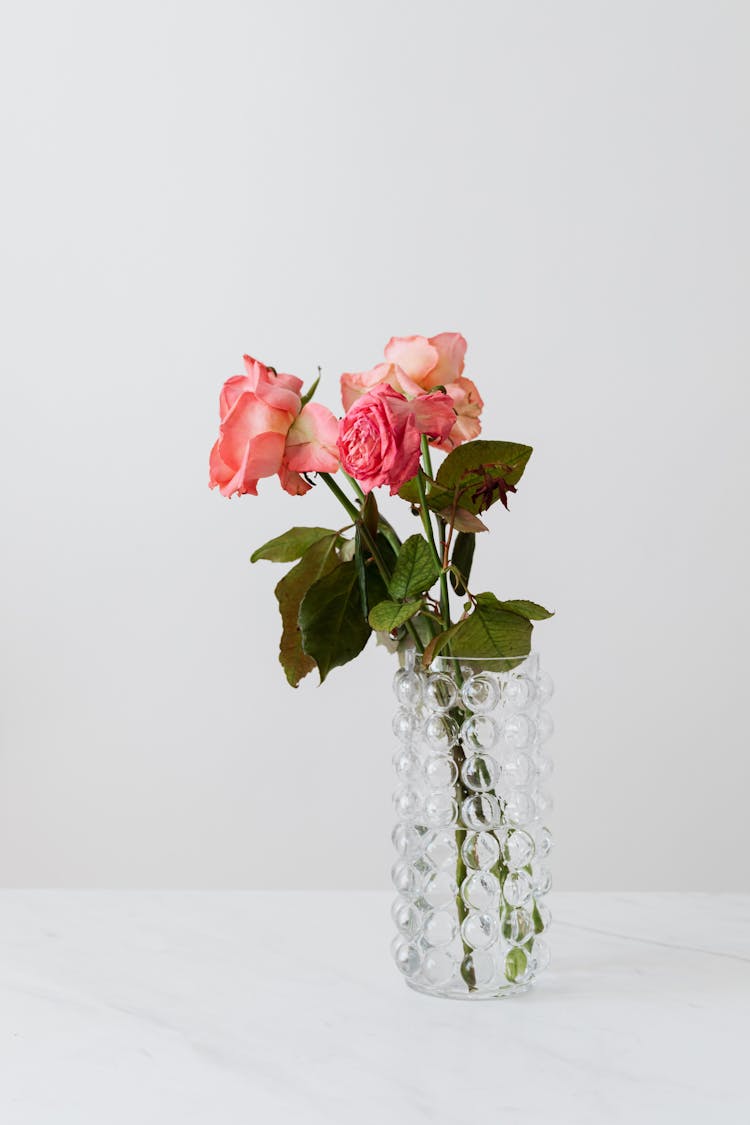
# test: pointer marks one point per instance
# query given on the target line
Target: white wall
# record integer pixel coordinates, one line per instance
(567, 185)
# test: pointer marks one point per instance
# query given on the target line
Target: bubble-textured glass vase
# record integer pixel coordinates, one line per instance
(471, 837)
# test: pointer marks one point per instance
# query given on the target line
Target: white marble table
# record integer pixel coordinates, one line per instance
(223, 1008)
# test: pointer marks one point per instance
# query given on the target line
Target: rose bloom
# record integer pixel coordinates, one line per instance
(264, 430)
(416, 364)
(380, 436)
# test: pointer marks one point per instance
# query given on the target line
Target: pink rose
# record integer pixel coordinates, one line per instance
(263, 431)
(380, 436)
(354, 385)
(416, 364)
(311, 447)
(430, 363)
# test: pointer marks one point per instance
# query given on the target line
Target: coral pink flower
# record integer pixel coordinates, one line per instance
(311, 447)
(263, 432)
(430, 363)
(416, 364)
(379, 437)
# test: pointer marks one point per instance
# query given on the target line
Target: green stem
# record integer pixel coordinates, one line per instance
(458, 754)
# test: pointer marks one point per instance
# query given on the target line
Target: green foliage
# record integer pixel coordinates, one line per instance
(472, 478)
(291, 545)
(306, 397)
(480, 473)
(462, 558)
(387, 615)
(528, 609)
(318, 560)
(333, 627)
(416, 569)
(490, 632)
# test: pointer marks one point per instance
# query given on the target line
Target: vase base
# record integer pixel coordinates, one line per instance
(502, 993)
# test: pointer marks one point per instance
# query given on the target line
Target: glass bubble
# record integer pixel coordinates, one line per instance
(480, 850)
(440, 928)
(438, 966)
(517, 888)
(520, 808)
(409, 689)
(544, 726)
(544, 766)
(441, 848)
(406, 724)
(440, 771)
(543, 842)
(481, 891)
(517, 926)
(407, 918)
(544, 804)
(479, 772)
(406, 879)
(480, 812)
(516, 966)
(441, 732)
(406, 840)
(478, 969)
(480, 931)
(407, 957)
(406, 764)
(440, 889)
(440, 693)
(407, 802)
(540, 955)
(517, 771)
(518, 731)
(480, 733)
(440, 809)
(480, 693)
(544, 686)
(518, 692)
(541, 880)
(542, 917)
(518, 849)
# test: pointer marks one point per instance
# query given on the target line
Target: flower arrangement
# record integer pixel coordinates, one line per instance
(351, 581)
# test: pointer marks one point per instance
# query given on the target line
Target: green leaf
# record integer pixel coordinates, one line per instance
(388, 616)
(437, 498)
(537, 919)
(291, 545)
(333, 627)
(491, 632)
(318, 560)
(463, 520)
(307, 396)
(462, 558)
(416, 569)
(435, 646)
(530, 610)
(370, 514)
(482, 472)
(515, 964)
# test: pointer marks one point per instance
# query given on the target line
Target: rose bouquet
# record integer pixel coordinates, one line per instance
(351, 581)
(471, 836)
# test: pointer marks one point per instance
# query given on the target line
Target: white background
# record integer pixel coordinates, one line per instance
(567, 185)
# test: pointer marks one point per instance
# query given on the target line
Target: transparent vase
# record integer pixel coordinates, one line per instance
(471, 837)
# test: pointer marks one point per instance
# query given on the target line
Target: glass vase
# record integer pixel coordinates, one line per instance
(471, 837)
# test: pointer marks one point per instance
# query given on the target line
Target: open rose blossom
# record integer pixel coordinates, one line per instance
(380, 436)
(264, 430)
(416, 364)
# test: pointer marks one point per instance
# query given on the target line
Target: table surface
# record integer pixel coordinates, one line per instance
(244, 1007)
